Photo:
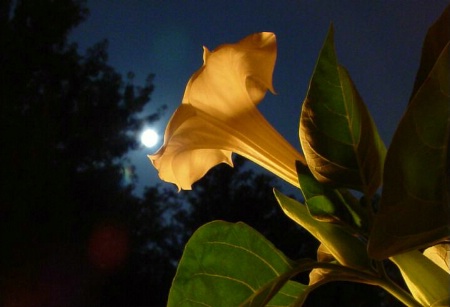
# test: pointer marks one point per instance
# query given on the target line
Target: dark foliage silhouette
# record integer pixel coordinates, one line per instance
(67, 121)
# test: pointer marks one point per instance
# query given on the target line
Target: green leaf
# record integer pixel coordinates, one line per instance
(327, 204)
(227, 264)
(428, 283)
(440, 255)
(321, 200)
(345, 248)
(287, 295)
(437, 37)
(415, 203)
(338, 136)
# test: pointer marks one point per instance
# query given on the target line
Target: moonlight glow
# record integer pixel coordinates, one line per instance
(149, 138)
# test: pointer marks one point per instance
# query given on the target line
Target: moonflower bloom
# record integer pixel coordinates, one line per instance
(218, 116)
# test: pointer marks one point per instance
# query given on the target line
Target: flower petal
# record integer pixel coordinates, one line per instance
(234, 77)
(184, 158)
(195, 142)
(218, 116)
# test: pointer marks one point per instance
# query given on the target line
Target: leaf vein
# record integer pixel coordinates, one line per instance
(197, 302)
(253, 254)
(229, 278)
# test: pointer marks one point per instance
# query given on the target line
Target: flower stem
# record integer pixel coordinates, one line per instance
(354, 275)
(399, 293)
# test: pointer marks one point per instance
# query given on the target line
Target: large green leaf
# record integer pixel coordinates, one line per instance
(415, 203)
(345, 248)
(338, 136)
(428, 283)
(437, 37)
(227, 264)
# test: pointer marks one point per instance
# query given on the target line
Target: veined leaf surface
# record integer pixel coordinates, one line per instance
(415, 203)
(227, 264)
(338, 136)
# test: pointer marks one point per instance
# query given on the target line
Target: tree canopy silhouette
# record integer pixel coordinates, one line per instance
(67, 121)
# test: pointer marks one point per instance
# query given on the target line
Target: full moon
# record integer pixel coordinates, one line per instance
(149, 138)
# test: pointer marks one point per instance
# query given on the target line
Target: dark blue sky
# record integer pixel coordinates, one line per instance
(379, 42)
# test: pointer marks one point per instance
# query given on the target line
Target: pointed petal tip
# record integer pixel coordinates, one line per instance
(151, 158)
(272, 90)
(206, 54)
(260, 40)
(155, 156)
(267, 38)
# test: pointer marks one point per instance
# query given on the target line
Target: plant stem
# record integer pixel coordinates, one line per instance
(399, 293)
(354, 275)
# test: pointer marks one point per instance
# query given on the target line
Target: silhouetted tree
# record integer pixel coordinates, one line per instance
(156, 248)
(67, 220)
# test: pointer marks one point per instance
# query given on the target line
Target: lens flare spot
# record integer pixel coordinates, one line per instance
(128, 175)
(108, 247)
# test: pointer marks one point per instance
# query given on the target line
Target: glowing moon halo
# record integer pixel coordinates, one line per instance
(149, 138)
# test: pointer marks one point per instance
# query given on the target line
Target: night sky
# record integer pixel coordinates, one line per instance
(379, 42)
